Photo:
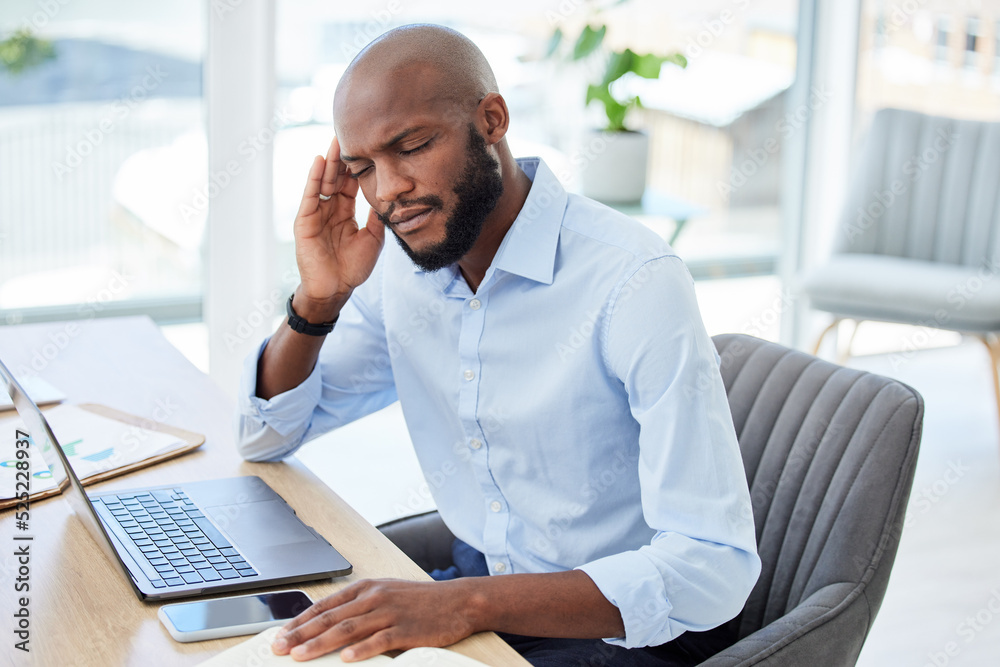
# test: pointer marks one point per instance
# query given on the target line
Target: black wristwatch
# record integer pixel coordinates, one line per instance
(304, 327)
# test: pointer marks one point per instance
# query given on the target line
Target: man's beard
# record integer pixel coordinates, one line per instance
(478, 192)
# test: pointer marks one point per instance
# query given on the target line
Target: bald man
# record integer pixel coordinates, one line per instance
(559, 387)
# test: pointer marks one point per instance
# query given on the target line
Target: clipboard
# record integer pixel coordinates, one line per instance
(192, 441)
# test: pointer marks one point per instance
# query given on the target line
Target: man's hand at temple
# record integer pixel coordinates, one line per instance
(334, 256)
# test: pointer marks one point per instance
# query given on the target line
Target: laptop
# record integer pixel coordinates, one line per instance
(188, 539)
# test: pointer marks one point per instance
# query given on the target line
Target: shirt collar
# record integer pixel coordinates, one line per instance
(529, 248)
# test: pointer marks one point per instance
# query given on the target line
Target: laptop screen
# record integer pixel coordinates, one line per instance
(41, 436)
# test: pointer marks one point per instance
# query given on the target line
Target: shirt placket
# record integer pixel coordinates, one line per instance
(497, 515)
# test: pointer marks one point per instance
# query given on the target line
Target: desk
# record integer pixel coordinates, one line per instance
(82, 611)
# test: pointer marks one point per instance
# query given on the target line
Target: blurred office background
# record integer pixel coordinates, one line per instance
(152, 156)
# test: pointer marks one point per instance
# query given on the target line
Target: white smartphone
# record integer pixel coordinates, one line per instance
(232, 616)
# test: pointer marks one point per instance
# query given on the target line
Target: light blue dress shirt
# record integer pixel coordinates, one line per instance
(569, 414)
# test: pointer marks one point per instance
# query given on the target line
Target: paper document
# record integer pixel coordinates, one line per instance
(92, 443)
(37, 389)
(257, 651)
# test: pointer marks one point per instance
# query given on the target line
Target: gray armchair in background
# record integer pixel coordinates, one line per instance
(918, 241)
(829, 454)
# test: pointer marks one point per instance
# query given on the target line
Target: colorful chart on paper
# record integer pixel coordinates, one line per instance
(92, 443)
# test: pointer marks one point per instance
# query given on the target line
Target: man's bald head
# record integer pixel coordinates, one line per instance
(422, 127)
(446, 63)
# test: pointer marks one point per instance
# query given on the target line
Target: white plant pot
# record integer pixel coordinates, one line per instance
(612, 166)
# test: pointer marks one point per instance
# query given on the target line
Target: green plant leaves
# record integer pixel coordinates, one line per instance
(676, 59)
(613, 109)
(22, 50)
(554, 41)
(588, 41)
(619, 63)
(646, 66)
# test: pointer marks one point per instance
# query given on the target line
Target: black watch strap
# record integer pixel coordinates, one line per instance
(303, 326)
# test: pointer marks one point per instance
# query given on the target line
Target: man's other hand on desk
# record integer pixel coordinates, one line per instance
(378, 615)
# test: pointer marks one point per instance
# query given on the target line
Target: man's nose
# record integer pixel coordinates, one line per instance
(390, 183)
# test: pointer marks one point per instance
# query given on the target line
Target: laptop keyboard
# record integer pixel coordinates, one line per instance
(176, 538)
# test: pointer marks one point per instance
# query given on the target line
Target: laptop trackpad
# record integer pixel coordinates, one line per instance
(262, 524)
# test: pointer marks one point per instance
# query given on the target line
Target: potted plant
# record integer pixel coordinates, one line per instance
(616, 156)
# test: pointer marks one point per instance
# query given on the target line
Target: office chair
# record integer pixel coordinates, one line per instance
(830, 454)
(918, 241)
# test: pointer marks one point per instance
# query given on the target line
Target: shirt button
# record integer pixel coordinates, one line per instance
(475, 304)
(475, 444)
(468, 375)
(496, 506)
(499, 567)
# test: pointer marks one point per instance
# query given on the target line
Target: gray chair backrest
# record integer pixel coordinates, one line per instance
(925, 188)
(829, 455)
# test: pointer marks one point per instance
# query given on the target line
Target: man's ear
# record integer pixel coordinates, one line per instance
(493, 118)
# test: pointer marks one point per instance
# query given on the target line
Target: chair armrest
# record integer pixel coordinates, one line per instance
(422, 537)
(832, 623)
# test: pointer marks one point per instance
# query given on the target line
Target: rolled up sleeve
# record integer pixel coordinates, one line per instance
(352, 378)
(702, 562)
(271, 429)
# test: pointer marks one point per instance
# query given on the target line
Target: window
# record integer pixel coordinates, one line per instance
(102, 158)
(716, 128)
(943, 33)
(971, 42)
(996, 49)
(901, 75)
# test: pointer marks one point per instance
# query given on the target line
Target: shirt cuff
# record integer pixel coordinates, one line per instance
(633, 584)
(286, 412)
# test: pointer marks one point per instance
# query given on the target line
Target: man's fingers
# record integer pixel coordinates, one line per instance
(375, 227)
(334, 171)
(341, 620)
(378, 643)
(310, 196)
(333, 630)
(317, 608)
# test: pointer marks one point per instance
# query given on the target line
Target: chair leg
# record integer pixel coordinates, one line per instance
(846, 354)
(819, 341)
(992, 344)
